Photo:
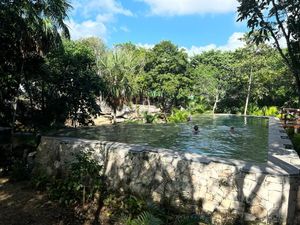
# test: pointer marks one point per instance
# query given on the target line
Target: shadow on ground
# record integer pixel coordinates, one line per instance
(21, 205)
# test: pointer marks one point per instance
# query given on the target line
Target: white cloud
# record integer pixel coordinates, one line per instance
(88, 28)
(190, 7)
(146, 46)
(194, 50)
(89, 8)
(233, 43)
(125, 29)
(91, 17)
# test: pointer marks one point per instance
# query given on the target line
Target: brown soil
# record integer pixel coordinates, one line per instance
(21, 205)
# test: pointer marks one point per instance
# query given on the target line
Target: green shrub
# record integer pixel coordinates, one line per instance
(264, 111)
(40, 181)
(148, 118)
(82, 182)
(270, 111)
(124, 206)
(198, 105)
(255, 110)
(128, 209)
(178, 116)
(198, 108)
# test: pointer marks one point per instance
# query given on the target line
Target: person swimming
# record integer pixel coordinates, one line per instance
(232, 132)
(196, 129)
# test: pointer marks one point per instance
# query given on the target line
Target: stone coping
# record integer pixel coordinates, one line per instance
(278, 154)
(280, 162)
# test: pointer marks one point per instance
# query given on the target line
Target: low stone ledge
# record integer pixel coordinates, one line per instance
(199, 183)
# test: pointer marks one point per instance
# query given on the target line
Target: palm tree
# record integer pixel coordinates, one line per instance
(29, 29)
(115, 69)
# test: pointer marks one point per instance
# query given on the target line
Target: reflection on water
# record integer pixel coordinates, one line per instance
(249, 141)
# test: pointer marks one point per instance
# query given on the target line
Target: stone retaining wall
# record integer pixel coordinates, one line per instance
(264, 192)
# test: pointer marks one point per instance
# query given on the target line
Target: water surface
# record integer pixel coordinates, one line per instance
(248, 142)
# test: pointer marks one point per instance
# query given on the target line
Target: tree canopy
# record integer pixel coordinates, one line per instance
(278, 21)
(166, 72)
(52, 79)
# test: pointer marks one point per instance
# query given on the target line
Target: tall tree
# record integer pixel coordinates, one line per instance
(28, 30)
(73, 84)
(211, 72)
(115, 68)
(276, 20)
(166, 70)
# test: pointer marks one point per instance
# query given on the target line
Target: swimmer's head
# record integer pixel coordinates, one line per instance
(196, 128)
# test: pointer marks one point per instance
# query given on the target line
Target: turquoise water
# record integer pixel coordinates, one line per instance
(248, 142)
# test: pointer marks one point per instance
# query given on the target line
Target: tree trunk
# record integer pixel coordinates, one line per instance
(75, 119)
(216, 102)
(15, 103)
(148, 100)
(30, 97)
(297, 76)
(115, 116)
(248, 92)
(15, 106)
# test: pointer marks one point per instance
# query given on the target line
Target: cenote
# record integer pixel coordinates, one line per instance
(248, 142)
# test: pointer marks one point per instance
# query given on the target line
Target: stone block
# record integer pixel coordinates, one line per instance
(263, 193)
(251, 177)
(274, 186)
(226, 204)
(273, 179)
(233, 196)
(218, 198)
(275, 197)
(247, 191)
(209, 206)
(258, 211)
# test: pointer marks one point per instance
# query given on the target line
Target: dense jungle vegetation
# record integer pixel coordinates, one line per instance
(46, 78)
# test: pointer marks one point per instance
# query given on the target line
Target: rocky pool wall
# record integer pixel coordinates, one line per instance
(191, 182)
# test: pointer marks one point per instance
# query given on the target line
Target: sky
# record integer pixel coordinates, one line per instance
(196, 25)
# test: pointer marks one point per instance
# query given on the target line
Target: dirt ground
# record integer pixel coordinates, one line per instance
(21, 205)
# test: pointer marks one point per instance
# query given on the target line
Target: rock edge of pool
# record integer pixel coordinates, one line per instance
(265, 192)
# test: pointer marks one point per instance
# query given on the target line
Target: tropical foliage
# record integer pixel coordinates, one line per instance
(278, 21)
(29, 30)
(47, 80)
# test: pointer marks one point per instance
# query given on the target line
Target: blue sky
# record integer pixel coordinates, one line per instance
(196, 25)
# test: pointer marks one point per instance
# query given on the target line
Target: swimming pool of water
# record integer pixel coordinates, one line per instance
(248, 142)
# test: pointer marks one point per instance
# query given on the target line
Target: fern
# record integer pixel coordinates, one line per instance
(145, 218)
(189, 220)
(154, 209)
(126, 220)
